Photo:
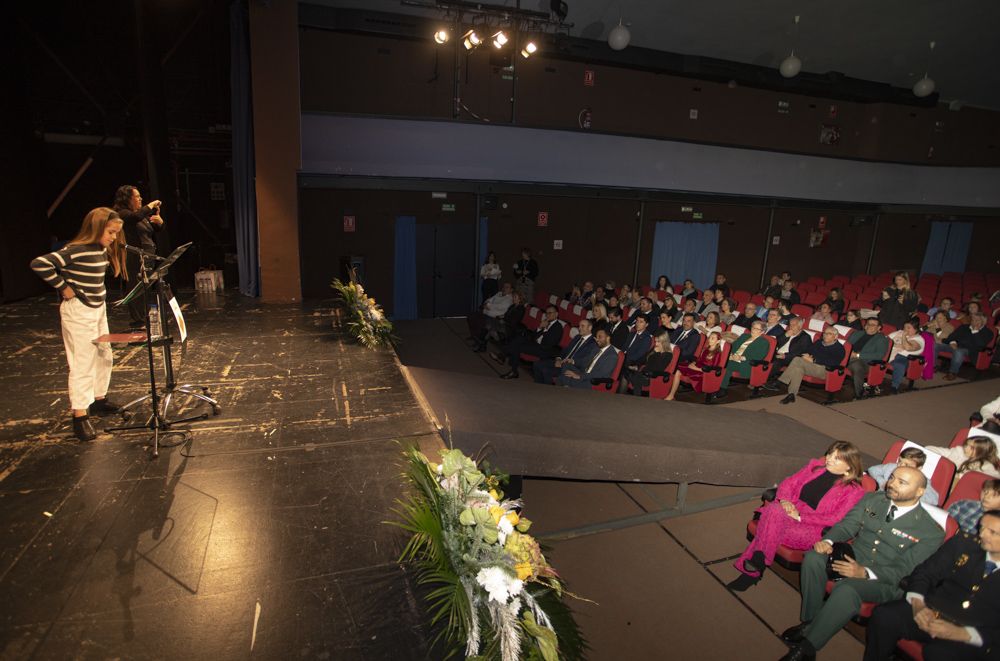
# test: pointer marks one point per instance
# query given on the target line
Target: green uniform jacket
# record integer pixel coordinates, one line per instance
(890, 550)
(876, 347)
(756, 351)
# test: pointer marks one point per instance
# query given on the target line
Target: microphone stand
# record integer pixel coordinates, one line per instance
(158, 421)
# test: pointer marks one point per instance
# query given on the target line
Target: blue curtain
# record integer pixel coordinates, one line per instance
(685, 250)
(947, 247)
(244, 168)
(404, 286)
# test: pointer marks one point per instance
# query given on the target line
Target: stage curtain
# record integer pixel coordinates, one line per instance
(685, 250)
(244, 192)
(947, 247)
(404, 288)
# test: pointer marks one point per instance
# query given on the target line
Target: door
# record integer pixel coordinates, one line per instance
(446, 269)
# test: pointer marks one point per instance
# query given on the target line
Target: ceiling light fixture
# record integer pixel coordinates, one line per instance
(499, 39)
(529, 49)
(619, 36)
(471, 40)
(791, 65)
(925, 86)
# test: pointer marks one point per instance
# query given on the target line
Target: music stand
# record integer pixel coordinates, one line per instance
(158, 421)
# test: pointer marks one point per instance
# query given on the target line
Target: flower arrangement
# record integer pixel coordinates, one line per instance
(491, 591)
(366, 320)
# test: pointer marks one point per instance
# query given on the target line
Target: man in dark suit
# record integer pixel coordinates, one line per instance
(952, 603)
(601, 366)
(967, 340)
(686, 339)
(773, 326)
(645, 310)
(795, 343)
(823, 353)
(543, 343)
(617, 329)
(640, 342)
(892, 534)
(866, 346)
(580, 350)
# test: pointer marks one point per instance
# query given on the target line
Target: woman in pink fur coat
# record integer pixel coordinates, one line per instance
(806, 503)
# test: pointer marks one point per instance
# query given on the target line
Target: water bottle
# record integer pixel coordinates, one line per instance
(155, 328)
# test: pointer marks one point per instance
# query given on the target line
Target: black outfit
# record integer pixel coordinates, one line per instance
(686, 342)
(814, 490)
(952, 582)
(599, 324)
(892, 311)
(744, 321)
(724, 288)
(778, 333)
(826, 355)
(620, 335)
(857, 324)
(836, 307)
(973, 342)
(543, 343)
(656, 365)
(800, 345)
(139, 232)
(527, 268)
(792, 297)
(774, 291)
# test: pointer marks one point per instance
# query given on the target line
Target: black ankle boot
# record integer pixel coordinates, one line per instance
(103, 407)
(82, 429)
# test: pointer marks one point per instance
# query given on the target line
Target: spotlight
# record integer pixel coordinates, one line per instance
(529, 49)
(471, 40)
(499, 39)
(442, 36)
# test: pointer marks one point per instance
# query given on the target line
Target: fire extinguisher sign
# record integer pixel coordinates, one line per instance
(543, 218)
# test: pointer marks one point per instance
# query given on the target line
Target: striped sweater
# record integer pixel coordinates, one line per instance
(82, 267)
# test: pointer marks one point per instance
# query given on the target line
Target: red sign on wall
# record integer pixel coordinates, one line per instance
(350, 223)
(822, 222)
(588, 77)
(543, 218)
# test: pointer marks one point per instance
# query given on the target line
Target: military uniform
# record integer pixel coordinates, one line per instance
(954, 583)
(890, 550)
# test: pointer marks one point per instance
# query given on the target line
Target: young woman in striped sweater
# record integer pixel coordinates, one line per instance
(77, 272)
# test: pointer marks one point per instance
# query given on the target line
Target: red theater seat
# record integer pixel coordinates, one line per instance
(610, 384)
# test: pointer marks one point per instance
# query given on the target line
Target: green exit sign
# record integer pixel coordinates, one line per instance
(447, 206)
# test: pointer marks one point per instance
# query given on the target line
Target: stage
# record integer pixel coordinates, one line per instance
(262, 537)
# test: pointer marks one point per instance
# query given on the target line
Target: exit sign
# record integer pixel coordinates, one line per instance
(350, 223)
(588, 77)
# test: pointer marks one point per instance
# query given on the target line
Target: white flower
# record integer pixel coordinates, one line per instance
(499, 584)
(505, 526)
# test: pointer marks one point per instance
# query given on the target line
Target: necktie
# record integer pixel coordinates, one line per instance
(990, 568)
(596, 358)
(579, 341)
(891, 515)
(632, 341)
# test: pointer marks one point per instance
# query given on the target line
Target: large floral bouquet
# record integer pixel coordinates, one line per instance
(491, 591)
(366, 320)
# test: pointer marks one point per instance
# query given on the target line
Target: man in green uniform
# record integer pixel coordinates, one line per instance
(892, 534)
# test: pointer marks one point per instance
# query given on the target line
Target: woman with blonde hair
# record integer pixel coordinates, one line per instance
(599, 317)
(77, 272)
(978, 453)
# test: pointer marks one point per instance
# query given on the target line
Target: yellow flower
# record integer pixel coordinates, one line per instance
(523, 570)
(513, 518)
(497, 513)
(494, 494)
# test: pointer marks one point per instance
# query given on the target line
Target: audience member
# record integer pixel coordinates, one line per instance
(710, 325)
(585, 294)
(726, 313)
(686, 338)
(768, 304)
(720, 284)
(575, 296)
(602, 365)
(951, 602)
(640, 342)
(971, 308)
(707, 303)
(795, 343)
(789, 293)
(613, 301)
(806, 503)
(599, 316)
(656, 364)
(748, 317)
(867, 346)
(946, 307)
(978, 453)
(853, 320)
(824, 352)
(990, 410)
(823, 313)
(906, 342)
(689, 288)
(746, 349)
(663, 284)
(710, 358)
(625, 295)
(600, 296)
(773, 327)
(526, 272)
(940, 327)
(671, 310)
(898, 302)
(967, 512)
(579, 351)
(785, 308)
(835, 299)
(492, 309)
(618, 330)
(543, 343)
(906, 535)
(690, 306)
(967, 340)
(645, 310)
(489, 274)
(773, 289)
(910, 457)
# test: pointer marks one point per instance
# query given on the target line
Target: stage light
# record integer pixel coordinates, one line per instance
(529, 49)
(471, 40)
(442, 36)
(499, 39)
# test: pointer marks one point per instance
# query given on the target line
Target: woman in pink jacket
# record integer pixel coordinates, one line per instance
(808, 502)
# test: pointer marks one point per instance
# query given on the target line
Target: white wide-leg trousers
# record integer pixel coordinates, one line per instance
(89, 363)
